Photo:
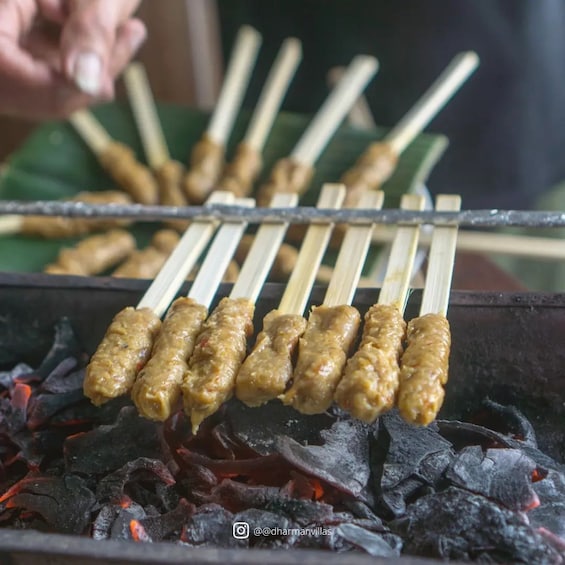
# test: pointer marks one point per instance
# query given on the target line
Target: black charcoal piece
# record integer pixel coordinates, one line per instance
(505, 475)
(211, 526)
(7, 378)
(341, 461)
(372, 543)
(457, 524)
(236, 496)
(303, 512)
(62, 379)
(267, 529)
(45, 406)
(65, 503)
(550, 514)
(65, 345)
(507, 420)
(122, 525)
(108, 448)
(161, 527)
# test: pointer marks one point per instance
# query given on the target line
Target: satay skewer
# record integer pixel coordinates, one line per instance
(57, 227)
(240, 174)
(267, 370)
(425, 361)
(294, 173)
(222, 344)
(116, 158)
(157, 388)
(207, 156)
(370, 381)
(126, 346)
(332, 327)
(168, 172)
(379, 160)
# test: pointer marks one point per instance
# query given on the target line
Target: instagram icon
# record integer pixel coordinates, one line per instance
(240, 530)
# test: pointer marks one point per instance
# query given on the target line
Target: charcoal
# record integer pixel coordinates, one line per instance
(64, 502)
(37, 446)
(103, 522)
(112, 486)
(457, 524)
(342, 461)
(283, 421)
(65, 345)
(8, 378)
(507, 420)
(374, 544)
(122, 525)
(268, 530)
(303, 512)
(161, 527)
(16, 418)
(45, 406)
(62, 380)
(505, 475)
(392, 502)
(236, 496)
(110, 447)
(211, 526)
(550, 514)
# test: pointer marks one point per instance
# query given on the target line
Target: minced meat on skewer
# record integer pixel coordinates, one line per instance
(94, 255)
(287, 175)
(63, 227)
(242, 171)
(371, 378)
(267, 371)
(206, 163)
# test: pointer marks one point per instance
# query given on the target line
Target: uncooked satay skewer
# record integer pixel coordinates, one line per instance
(221, 345)
(240, 174)
(207, 156)
(62, 227)
(379, 160)
(293, 173)
(118, 159)
(425, 362)
(126, 346)
(157, 389)
(169, 173)
(267, 370)
(332, 327)
(370, 381)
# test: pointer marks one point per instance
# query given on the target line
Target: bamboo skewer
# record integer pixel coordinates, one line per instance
(267, 370)
(157, 388)
(332, 327)
(240, 174)
(118, 159)
(293, 174)
(379, 160)
(370, 381)
(221, 345)
(425, 362)
(207, 156)
(127, 344)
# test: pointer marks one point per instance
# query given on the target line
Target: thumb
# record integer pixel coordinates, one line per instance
(88, 39)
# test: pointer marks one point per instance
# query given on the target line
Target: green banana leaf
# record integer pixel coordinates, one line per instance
(54, 163)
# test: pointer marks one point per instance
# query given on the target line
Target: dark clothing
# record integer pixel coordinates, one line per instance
(506, 125)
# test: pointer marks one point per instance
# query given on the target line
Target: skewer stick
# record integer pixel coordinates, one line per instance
(328, 118)
(435, 299)
(352, 255)
(276, 86)
(235, 83)
(146, 116)
(301, 281)
(433, 100)
(91, 131)
(181, 261)
(394, 290)
(260, 258)
(218, 257)
(10, 225)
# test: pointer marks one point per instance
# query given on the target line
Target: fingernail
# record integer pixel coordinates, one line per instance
(87, 73)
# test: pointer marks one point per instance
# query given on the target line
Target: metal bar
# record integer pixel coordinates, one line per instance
(300, 215)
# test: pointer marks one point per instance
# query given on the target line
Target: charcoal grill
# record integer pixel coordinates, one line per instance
(507, 347)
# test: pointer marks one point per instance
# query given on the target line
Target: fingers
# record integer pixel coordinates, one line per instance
(95, 32)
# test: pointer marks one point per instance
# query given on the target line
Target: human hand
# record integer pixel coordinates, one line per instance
(59, 55)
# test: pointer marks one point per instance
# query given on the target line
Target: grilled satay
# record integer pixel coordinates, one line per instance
(94, 255)
(136, 179)
(267, 370)
(157, 390)
(206, 164)
(425, 362)
(127, 344)
(170, 178)
(370, 381)
(64, 227)
(222, 344)
(146, 263)
(332, 327)
(294, 173)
